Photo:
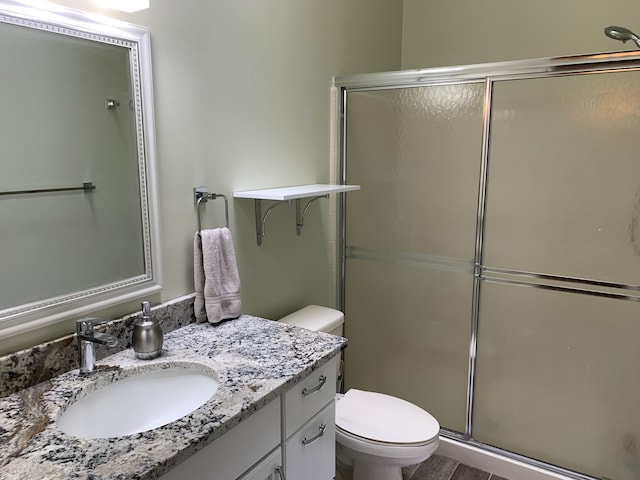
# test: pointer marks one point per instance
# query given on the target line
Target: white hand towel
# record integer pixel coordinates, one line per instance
(215, 275)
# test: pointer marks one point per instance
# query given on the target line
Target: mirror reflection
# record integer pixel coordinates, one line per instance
(74, 203)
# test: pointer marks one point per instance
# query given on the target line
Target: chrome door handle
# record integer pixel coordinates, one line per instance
(308, 391)
(306, 442)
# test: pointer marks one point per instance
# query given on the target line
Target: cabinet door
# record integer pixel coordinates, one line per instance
(308, 397)
(267, 469)
(310, 452)
(236, 451)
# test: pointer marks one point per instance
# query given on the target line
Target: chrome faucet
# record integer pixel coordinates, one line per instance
(87, 338)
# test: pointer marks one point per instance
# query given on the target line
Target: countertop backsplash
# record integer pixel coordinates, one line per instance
(42, 362)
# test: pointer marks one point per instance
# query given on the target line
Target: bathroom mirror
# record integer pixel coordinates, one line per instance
(78, 214)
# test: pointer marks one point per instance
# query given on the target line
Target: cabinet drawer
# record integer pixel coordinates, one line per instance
(236, 451)
(309, 396)
(310, 452)
(267, 469)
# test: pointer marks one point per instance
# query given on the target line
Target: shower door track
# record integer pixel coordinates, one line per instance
(450, 434)
(487, 73)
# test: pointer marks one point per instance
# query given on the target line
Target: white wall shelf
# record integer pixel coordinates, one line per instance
(284, 195)
(292, 193)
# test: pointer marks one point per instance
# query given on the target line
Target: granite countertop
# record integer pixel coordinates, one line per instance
(256, 360)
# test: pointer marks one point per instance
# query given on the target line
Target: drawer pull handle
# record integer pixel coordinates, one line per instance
(280, 472)
(306, 442)
(308, 391)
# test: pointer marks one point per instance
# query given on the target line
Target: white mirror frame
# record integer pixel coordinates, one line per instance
(56, 19)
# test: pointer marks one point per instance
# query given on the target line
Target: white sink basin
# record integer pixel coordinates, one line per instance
(138, 403)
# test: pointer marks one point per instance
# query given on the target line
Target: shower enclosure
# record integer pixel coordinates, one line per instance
(491, 261)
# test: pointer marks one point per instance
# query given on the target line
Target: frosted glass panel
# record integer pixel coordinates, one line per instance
(408, 331)
(563, 190)
(411, 238)
(416, 153)
(557, 378)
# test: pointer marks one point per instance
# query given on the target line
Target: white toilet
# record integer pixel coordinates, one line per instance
(375, 433)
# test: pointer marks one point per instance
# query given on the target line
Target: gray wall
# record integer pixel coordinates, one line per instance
(242, 99)
(446, 32)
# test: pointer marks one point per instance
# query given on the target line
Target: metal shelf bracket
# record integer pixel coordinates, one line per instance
(262, 219)
(301, 212)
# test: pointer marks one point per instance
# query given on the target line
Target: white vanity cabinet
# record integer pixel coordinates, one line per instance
(310, 452)
(308, 414)
(235, 453)
(268, 469)
(295, 432)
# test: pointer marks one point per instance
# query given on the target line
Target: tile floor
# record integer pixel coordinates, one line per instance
(438, 467)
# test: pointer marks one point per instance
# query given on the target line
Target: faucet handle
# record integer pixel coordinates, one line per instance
(85, 325)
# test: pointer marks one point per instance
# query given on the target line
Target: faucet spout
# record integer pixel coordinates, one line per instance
(87, 338)
(100, 339)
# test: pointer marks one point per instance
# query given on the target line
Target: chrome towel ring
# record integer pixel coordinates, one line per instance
(202, 195)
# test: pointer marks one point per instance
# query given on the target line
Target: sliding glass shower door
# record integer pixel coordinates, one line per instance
(492, 257)
(558, 338)
(411, 242)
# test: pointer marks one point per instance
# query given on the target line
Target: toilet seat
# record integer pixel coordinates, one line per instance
(384, 420)
(352, 438)
(385, 453)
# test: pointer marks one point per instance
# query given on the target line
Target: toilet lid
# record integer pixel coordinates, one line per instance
(384, 418)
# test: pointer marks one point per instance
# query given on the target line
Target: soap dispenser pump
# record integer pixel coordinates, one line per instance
(147, 335)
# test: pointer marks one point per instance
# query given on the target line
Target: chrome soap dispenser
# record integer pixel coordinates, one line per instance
(147, 335)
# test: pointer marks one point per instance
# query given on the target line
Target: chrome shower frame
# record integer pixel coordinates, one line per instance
(487, 73)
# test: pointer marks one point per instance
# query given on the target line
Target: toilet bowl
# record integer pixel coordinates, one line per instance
(380, 434)
(376, 434)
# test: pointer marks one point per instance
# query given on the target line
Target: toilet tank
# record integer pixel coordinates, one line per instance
(317, 318)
